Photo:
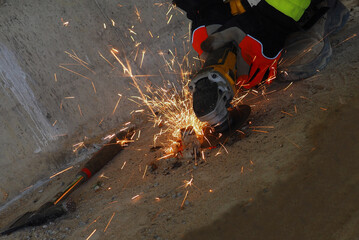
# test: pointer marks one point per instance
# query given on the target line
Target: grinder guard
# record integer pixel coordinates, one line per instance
(213, 87)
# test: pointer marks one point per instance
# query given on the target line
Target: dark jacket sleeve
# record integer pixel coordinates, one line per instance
(205, 12)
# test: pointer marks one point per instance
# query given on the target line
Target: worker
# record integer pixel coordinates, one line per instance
(261, 32)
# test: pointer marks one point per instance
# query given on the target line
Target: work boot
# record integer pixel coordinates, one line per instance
(307, 52)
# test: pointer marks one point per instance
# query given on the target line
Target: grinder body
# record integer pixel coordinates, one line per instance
(214, 87)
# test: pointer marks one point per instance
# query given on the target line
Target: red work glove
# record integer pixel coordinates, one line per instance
(260, 33)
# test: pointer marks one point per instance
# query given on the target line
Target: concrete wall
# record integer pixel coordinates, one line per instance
(38, 122)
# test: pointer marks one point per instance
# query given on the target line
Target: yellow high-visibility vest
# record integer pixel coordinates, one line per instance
(291, 8)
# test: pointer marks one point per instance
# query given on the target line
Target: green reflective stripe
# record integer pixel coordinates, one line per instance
(291, 8)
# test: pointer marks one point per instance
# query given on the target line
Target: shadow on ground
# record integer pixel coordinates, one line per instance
(319, 201)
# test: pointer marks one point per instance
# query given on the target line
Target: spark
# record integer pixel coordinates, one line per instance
(139, 134)
(93, 86)
(103, 176)
(225, 149)
(133, 135)
(79, 61)
(127, 123)
(78, 105)
(77, 146)
(251, 162)
(124, 142)
(184, 199)
(242, 169)
(296, 145)
(131, 31)
(138, 14)
(54, 123)
(136, 55)
(166, 156)
(324, 109)
(261, 127)
(304, 98)
(113, 22)
(109, 222)
(157, 199)
(354, 35)
(143, 55)
(114, 50)
(123, 129)
(188, 183)
(72, 71)
(150, 34)
(27, 188)
(129, 71)
(202, 154)
(101, 121)
(287, 113)
(169, 10)
(133, 198)
(104, 25)
(290, 84)
(118, 101)
(144, 174)
(123, 165)
(169, 19)
(91, 235)
(92, 223)
(106, 59)
(55, 77)
(210, 190)
(261, 131)
(109, 136)
(71, 97)
(65, 24)
(61, 172)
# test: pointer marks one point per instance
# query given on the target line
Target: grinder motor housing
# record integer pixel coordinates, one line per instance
(213, 87)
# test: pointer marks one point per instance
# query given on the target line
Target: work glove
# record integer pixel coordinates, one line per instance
(260, 33)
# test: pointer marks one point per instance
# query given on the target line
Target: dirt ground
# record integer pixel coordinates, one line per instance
(297, 179)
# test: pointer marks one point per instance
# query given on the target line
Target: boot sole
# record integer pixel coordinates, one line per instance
(300, 72)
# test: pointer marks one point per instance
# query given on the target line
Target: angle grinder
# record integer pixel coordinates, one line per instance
(214, 87)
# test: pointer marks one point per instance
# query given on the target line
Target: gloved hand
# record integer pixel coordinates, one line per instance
(260, 33)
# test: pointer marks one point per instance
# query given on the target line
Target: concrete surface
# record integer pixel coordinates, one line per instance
(43, 116)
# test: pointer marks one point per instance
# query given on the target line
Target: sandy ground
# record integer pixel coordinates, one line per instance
(297, 180)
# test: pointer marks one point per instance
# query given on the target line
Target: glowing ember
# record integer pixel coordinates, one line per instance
(133, 198)
(54, 123)
(61, 171)
(77, 146)
(188, 183)
(123, 165)
(144, 174)
(91, 234)
(109, 222)
(184, 199)
(64, 23)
